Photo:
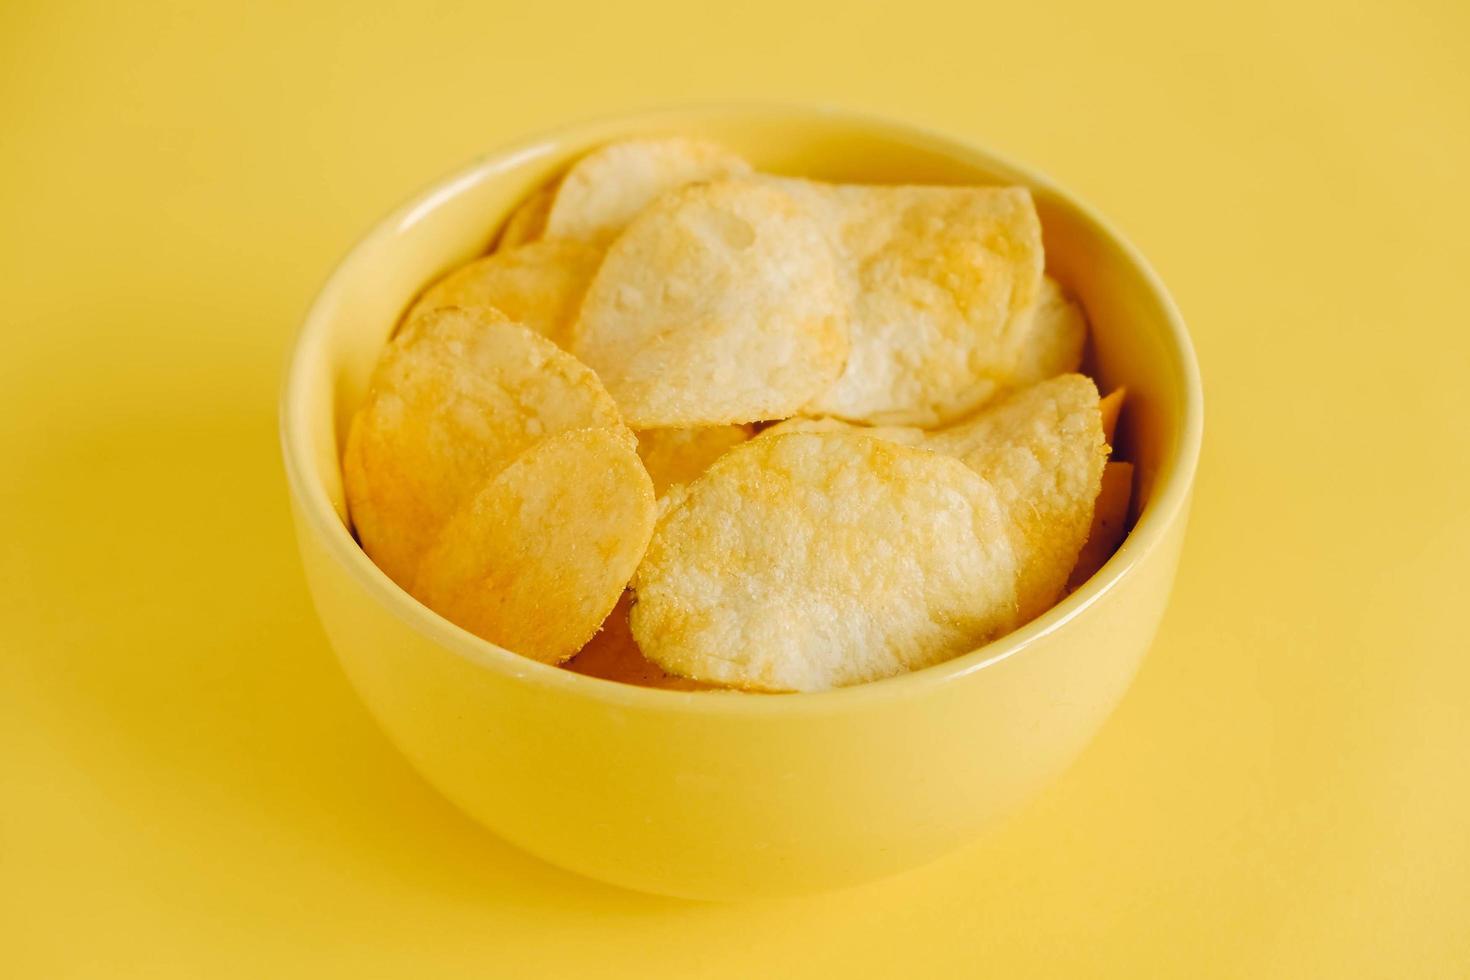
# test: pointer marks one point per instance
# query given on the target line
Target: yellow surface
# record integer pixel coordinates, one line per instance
(188, 786)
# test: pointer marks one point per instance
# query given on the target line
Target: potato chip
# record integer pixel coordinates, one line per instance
(605, 190)
(720, 304)
(679, 455)
(941, 281)
(1109, 521)
(1110, 408)
(539, 285)
(613, 655)
(1043, 451)
(1054, 338)
(812, 560)
(528, 221)
(904, 435)
(456, 396)
(535, 560)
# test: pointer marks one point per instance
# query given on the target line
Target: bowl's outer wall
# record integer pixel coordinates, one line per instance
(714, 805)
(655, 793)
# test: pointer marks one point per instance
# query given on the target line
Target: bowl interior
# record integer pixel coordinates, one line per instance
(1137, 338)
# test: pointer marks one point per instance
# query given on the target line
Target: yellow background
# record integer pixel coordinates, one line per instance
(188, 787)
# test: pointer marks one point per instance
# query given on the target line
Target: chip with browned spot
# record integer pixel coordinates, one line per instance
(537, 557)
(811, 560)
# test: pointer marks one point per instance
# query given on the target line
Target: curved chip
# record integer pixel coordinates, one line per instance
(720, 304)
(1055, 336)
(456, 396)
(904, 435)
(808, 561)
(679, 455)
(1109, 522)
(613, 655)
(941, 279)
(536, 559)
(528, 221)
(1111, 407)
(605, 190)
(1043, 451)
(540, 285)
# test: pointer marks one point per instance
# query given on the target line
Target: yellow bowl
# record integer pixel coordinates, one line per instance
(728, 795)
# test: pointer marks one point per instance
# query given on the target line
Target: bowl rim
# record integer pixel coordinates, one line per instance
(1168, 503)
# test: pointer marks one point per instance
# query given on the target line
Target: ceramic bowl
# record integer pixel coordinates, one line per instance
(725, 795)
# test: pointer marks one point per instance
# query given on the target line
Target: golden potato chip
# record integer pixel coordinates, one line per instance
(538, 556)
(941, 281)
(456, 396)
(613, 655)
(679, 455)
(813, 560)
(905, 435)
(1043, 451)
(539, 285)
(527, 222)
(1110, 408)
(605, 190)
(1109, 521)
(1054, 338)
(720, 304)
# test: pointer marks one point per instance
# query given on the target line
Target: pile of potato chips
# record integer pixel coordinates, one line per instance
(694, 427)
